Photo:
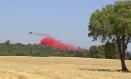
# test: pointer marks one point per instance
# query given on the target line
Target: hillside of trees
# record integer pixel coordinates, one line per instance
(106, 51)
(19, 49)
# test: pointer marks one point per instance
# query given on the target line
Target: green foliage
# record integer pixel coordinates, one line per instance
(18, 49)
(110, 50)
(128, 55)
(107, 50)
(113, 23)
(96, 52)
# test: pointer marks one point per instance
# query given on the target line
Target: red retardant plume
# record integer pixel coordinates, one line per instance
(49, 41)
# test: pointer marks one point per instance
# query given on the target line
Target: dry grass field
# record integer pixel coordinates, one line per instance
(13, 67)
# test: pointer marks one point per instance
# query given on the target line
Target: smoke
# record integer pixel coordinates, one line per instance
(49, 41)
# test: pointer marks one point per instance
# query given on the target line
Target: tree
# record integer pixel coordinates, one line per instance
(96, 52)
(113, 23)
(110, 50)
(7, 42)
(107, 50)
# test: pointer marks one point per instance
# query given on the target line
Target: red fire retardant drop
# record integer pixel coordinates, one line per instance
(49, 41)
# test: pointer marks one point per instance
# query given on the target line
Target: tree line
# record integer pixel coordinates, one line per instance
(106, 51)
(19, 49)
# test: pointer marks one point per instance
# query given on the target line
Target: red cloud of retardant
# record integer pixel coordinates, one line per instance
(49, 41)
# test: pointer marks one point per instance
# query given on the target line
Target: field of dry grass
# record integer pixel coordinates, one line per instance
(12, 67)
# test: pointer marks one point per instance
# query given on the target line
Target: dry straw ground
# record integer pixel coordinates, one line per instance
(12, 67)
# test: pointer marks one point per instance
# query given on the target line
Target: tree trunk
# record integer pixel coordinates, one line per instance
(121, 50)
(122, 58)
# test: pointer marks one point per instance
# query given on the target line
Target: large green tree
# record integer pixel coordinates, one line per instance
(113, 23)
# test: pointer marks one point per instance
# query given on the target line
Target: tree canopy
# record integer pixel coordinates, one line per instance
(113, 23)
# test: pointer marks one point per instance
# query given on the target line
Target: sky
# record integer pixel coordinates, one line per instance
(66, 20)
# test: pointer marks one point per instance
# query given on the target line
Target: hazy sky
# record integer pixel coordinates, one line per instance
(66, 20)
